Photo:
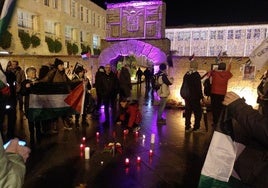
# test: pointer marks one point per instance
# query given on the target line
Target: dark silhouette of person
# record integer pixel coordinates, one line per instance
(147, 73)
(139, 74)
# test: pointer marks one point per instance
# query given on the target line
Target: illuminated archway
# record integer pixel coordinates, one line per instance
(135, 48)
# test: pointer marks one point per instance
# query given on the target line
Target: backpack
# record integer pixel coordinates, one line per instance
(155, 84)
(185, 91)
(207, 87)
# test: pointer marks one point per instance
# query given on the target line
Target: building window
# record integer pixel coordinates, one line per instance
(196, 35)
(89, 16)
(66, 6)
(93, 18)
(82, 13)
(230, 34)
(98, 21)
(82, 36)
(203, 35)
(46, 2)
(257, 33)
(55, 4)
(220, 35)
(73, 9)
(248, 33)
(96, 41)
(212, 34)
(184, 36)
(86, 17)
(68, 32)
(238, 34)
(49, 27)
(25, 19)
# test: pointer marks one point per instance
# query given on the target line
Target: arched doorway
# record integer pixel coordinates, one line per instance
(132, 48)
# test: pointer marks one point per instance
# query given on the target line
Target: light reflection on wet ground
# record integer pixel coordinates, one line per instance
(176, 160)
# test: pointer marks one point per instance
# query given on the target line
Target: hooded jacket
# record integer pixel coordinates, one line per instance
(165, 81)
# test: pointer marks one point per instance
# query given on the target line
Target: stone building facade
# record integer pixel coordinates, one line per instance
(75, 22)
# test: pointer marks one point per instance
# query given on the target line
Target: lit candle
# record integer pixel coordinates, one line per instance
(97, 134)
(83, 139)
(136, 133)
(127, 161)
(125, 132)
(143, 136)
(151, 153)
(101, 163)
(152, 138)
(81, 146)
(87, 152)
(138, 159)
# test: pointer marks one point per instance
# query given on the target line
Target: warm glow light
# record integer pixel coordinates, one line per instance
(138, 159)
(127, 161)
(151, 153)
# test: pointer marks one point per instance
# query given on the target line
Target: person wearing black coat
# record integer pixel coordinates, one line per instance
(98, 85)
(251, 130)
(109, 90)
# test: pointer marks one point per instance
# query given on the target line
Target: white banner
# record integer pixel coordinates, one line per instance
(259, 56)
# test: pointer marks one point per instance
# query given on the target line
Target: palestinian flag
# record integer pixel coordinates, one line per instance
(76, 98)
(218, 169)
(6, 11)
(47, 101)
(85, 55)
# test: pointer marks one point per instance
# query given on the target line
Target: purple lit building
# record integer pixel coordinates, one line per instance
(136, 28)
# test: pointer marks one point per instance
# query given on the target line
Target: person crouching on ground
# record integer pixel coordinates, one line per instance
(129, 116)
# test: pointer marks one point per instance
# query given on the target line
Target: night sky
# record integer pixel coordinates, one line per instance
(204, 13)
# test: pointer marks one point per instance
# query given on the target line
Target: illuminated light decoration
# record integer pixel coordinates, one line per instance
(236, 41)
(134, 4)
(135, 47)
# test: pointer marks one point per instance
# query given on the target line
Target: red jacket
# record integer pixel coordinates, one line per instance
(133, 114)
(220, 81)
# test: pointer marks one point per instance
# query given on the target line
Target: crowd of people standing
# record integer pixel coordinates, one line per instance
(111, 83)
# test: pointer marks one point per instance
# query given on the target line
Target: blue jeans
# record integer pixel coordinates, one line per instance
(162, 105)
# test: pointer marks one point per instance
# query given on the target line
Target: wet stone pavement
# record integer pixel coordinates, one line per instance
(176, 159)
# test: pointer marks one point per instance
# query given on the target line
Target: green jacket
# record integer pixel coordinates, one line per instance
(12, 170)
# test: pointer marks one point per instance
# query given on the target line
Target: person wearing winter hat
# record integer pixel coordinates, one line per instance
(163, 92)
(192, 100)
(57, 75)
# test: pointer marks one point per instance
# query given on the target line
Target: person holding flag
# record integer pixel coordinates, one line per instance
(79, 75)
(242, 159)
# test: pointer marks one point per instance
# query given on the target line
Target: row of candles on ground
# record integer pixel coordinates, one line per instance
(87, 149)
